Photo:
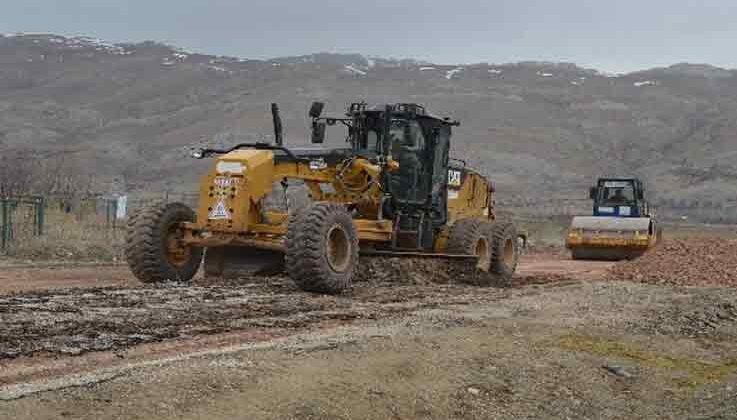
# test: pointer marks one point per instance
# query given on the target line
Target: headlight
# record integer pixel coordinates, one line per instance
(197, 154)
(225, 166)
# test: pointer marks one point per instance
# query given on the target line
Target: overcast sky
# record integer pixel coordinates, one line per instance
(612, 35)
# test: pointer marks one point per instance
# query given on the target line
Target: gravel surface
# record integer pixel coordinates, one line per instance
(594, 350)
(411, 340)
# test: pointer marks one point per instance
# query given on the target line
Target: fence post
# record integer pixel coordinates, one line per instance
(40, 208)
(3, 242)
(6, 223)
(107, 213)
(115, 213)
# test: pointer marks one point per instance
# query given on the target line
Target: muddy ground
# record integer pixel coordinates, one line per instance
(565, 341)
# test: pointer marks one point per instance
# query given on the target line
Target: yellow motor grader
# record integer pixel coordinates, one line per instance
(392, 191)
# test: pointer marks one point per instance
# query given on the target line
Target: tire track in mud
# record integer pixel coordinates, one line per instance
(80, 320)
(73, 322)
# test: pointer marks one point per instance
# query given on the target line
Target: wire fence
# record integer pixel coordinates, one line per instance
(20, 216)
(23, 218)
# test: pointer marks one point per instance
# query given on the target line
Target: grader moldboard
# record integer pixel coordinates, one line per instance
(392, 192)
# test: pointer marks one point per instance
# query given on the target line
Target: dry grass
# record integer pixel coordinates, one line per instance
(695, 372)
(68, 237)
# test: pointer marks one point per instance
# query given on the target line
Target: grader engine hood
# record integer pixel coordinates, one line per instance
(232, 188)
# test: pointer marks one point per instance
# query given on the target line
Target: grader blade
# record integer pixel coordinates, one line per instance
(415, 254)
(230, 262)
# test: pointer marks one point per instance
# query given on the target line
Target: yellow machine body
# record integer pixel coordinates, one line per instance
(231, 207)
(392, 191)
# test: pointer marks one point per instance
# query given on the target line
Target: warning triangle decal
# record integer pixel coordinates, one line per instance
(219, 212)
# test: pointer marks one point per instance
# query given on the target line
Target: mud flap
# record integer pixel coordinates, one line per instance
(231, 262)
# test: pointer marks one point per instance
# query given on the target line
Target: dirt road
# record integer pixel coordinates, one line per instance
(20, 278)
(562, 342)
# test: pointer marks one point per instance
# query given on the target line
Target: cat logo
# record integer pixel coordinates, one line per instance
(219, 212)
(454, 178)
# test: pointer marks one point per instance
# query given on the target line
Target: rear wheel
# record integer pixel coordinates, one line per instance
(504, 251)
(322, 248)
(154, 248)
(472, 237)
(468, 237)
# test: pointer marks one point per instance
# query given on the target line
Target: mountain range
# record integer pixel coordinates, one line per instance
(124, 117)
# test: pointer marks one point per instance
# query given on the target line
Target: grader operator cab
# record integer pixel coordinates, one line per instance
(392, 191)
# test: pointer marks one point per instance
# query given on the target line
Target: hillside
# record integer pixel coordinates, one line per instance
(126, 115)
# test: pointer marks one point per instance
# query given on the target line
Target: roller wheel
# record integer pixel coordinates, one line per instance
(154, 250)
(504, 251)
(322, 248)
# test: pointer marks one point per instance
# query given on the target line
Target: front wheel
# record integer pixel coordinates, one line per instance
(154, 248)
(322, 248)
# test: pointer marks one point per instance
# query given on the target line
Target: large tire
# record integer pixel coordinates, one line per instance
(468, 237)
(151, 250)
(322, 248)
(504, 251)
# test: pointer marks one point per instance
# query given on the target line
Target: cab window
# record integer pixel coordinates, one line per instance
(372, 140)
(615, 192)
(406, 135)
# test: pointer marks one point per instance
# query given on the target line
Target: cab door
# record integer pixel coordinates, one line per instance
(409, 184)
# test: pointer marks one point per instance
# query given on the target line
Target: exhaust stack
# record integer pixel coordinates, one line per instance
(278, 130)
